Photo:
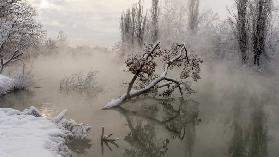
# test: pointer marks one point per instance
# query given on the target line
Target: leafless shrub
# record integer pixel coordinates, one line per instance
(23, 80)
(80, 82)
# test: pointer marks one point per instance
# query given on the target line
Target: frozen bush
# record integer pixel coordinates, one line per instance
(80, 82)
(22, 80)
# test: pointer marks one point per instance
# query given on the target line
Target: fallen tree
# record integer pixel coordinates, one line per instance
(147, 80)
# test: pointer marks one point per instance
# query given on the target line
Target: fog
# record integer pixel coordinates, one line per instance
(232, 113)
(94, 22)
(227, 96)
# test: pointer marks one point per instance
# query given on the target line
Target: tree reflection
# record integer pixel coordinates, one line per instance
(79, 146)
(142, 140)
(249, 140)
(179, 118)
(19, 99)
(238, 142)
(258, 133)
(182, 122)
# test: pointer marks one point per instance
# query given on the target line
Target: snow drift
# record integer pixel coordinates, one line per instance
(28, 134)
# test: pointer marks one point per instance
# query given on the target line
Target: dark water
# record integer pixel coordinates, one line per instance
(232, 114)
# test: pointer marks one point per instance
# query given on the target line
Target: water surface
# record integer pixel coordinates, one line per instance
(232, 114)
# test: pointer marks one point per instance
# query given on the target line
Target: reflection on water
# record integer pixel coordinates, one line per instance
(178, 118)
(250, 140)
(149, 127)
(80, 146)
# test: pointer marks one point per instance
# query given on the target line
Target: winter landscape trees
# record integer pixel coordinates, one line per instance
(261, 9)
(133, 24)
(174, 51)
(242, 28)
(252, 26)
(19, 31)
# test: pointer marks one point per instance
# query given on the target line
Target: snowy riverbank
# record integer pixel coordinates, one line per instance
(6, 84)
(28, 134)
(17, 81)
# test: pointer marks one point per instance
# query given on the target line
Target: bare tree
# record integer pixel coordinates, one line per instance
(132, 26)
(146, 79)
(19, 31)
(155, 20)
(61, 39)
(252, 25)
(242, 29)
(261, 11)
(193, 17)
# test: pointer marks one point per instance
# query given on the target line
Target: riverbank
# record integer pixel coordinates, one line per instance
(29, 134)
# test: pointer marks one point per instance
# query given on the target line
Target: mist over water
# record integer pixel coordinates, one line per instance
(233, 112)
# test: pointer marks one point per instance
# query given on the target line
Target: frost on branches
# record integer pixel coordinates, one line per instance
(160, 72)
(19, 31)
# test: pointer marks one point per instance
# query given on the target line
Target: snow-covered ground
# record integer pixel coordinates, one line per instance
(6, 84)
(28, 134)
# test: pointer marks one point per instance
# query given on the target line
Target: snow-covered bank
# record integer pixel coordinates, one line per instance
(6, 84)
(15, 82)
(28, 134)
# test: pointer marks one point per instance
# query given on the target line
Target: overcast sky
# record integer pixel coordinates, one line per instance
(95, 22)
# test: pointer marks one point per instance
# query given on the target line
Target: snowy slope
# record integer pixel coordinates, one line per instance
(27, 134)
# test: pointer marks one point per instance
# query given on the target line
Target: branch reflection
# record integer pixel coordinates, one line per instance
(178, 118)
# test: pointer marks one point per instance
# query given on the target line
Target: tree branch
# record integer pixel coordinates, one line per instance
(163, 77)
(14, 57)
(145, 58)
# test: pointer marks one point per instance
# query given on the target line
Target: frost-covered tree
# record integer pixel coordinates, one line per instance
(261, 17)
(251, 27)
(19, 31)
(61, 39)
(173, 21)
(242, 28)
(149, 78)
(133, 26)
(193, 17)
(155, 10)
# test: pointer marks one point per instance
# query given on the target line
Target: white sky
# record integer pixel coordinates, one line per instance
(96, 22)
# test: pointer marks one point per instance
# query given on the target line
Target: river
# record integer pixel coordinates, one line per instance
(233, 114)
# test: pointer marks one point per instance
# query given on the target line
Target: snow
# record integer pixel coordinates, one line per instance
(115, 102)
(6, 84)
(17, 81)
(118, 101)
(28, 134)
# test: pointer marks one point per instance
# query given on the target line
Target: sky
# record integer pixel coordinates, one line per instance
(96, 22)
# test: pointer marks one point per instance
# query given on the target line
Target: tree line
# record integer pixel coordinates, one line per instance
(250, 25)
